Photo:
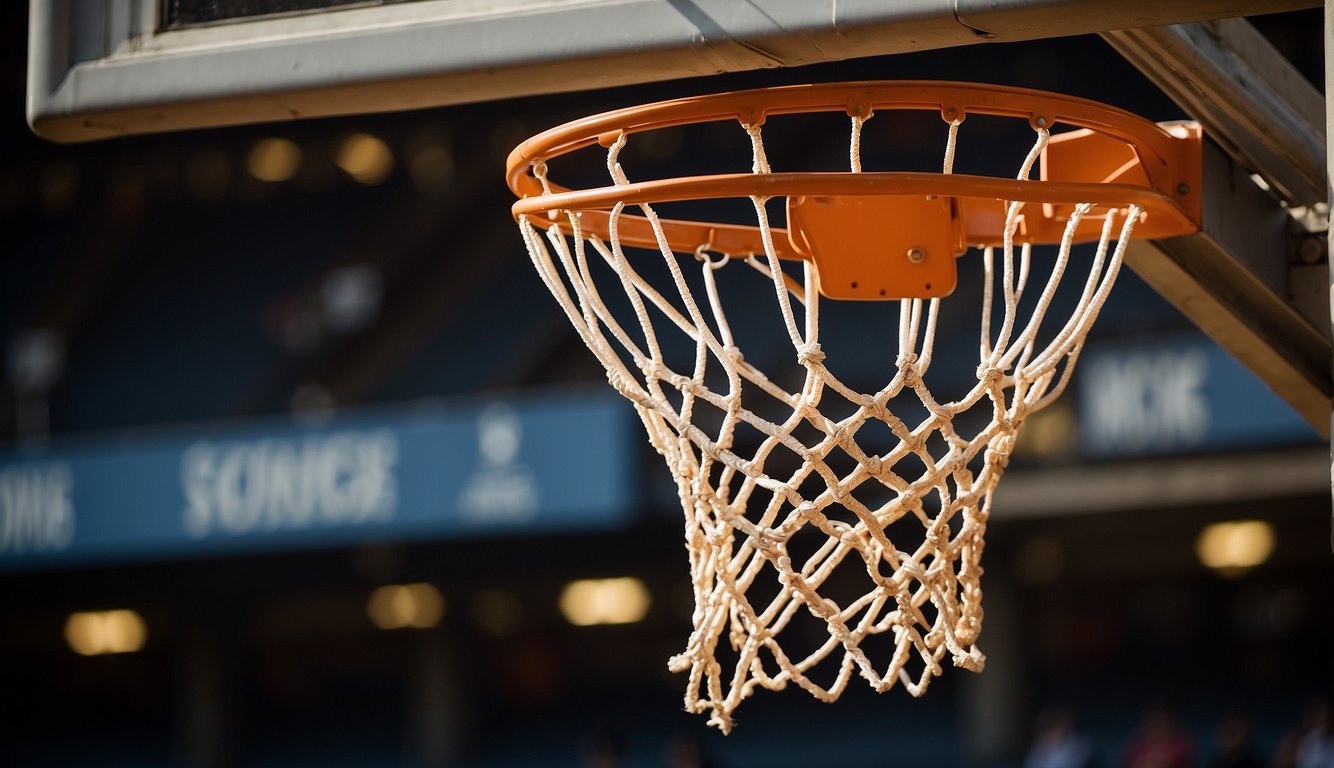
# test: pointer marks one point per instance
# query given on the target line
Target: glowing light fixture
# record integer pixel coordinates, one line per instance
(403, 606)
(273, 160)
(1236, 546)
(364, 158)
(604, 601)
(94, 633)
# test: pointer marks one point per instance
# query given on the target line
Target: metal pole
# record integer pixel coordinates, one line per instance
(1329, 177)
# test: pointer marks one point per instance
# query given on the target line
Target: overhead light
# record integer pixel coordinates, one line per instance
(1234, 547)
(404, 606)
(351, 296)
(365, 158)
(273, 160)
(94, 633)
(36, 359)
(590, 602)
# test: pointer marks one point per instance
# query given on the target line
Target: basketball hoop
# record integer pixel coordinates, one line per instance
(897, 464)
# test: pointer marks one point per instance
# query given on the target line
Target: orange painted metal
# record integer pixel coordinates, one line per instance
(1118, 159)
(878, 246)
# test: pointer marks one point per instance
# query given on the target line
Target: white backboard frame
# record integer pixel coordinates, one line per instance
(100, 70)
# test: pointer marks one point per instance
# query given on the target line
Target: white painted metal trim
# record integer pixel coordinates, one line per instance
(88, 82)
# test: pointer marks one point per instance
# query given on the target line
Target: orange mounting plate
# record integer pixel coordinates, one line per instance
(878, 246)
(1112, 159)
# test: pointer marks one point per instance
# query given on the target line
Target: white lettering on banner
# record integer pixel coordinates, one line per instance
(502, 491)
(1147, 401)
(344, 478)
(36, 509)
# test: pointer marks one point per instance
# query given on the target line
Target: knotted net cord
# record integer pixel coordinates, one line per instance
(743, 513)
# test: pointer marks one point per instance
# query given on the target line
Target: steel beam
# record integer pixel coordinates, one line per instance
(1248, 97)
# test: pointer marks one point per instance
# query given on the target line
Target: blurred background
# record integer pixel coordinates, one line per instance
(301, 465)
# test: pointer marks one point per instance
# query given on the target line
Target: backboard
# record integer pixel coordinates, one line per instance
(135, 66)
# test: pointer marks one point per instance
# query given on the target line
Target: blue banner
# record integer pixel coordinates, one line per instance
(504, 467)
(1180, 394)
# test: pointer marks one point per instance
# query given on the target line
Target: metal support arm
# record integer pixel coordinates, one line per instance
(1250, 99)
(1232, 279)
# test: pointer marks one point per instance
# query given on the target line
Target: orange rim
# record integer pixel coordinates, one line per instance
(1166, 164)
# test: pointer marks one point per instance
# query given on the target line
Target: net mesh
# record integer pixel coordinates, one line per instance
(830, 531)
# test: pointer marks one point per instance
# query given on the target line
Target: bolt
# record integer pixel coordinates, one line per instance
(1042, 122)
(1183, 189)
(1312, 249)
(916, 255)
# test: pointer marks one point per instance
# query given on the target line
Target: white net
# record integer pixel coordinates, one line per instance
(830, 531)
